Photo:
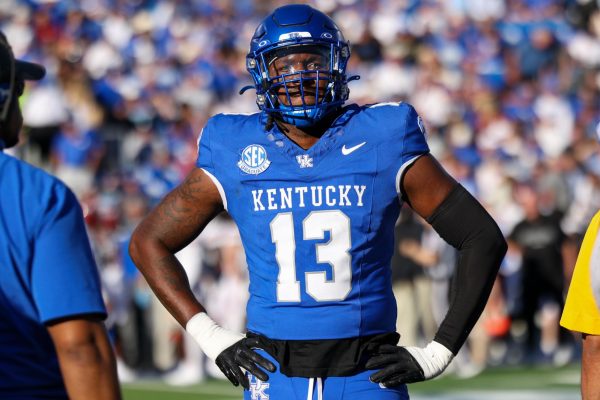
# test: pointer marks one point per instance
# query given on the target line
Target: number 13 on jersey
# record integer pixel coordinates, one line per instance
(335, 252)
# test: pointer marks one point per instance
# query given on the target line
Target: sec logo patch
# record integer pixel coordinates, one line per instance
(254, 160)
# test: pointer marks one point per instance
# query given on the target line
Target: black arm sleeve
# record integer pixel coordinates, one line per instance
(462, 222)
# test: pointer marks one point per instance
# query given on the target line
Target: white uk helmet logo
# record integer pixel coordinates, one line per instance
(254, 160)
(294, 35)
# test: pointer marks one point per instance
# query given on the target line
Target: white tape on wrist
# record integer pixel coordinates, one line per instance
(211, 338)
(433, 359)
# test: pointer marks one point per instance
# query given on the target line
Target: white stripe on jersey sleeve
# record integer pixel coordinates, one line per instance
(219, 187)
(198, 140)
(389, 103)
(401, 172)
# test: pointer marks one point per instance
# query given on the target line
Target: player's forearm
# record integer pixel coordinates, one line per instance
(463, 223)
(87, 362)
(166, 276)
(590, 368)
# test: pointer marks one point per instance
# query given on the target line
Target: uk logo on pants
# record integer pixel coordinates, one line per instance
(258, 388)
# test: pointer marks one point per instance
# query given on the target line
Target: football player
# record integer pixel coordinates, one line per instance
(315, 188)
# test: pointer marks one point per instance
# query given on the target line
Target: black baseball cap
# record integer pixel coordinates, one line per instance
(23, 69)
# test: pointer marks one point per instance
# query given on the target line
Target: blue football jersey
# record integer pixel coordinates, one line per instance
(317, 225)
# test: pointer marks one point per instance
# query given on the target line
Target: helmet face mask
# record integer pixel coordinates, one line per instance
(298, 61)
(300, 80)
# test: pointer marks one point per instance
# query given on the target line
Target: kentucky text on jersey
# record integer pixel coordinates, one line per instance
(315, 196)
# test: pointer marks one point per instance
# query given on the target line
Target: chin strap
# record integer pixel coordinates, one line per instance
(246, 88)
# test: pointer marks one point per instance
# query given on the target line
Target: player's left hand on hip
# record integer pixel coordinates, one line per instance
(401, 365)
(242, 355)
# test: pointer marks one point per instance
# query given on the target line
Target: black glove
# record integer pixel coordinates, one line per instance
(398, 366)
(241, 355)
(408, 364)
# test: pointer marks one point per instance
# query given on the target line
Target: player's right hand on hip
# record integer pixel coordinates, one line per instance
(242, 355)
(232, 351)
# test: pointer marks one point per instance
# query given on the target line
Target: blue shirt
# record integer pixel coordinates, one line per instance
(317, 225)
(46, 272)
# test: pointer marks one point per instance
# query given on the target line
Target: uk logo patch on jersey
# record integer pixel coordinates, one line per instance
(254, 160)
(304, 161)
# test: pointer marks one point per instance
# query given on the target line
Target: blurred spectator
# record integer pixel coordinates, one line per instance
(76, 154)
(411, 286)
(157, 176)
(540, 240)
(190, 368)
(43, 113)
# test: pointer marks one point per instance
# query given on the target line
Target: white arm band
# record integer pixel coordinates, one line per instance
(211, 338)
(433, 359)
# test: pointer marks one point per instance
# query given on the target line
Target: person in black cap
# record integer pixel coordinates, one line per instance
(13, 74)
(53, 341)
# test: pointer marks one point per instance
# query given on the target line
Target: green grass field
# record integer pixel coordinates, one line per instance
(515, 383)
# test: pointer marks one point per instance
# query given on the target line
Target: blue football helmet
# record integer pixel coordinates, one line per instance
(298, 59)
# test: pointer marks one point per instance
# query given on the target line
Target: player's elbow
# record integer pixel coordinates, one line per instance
(591, 345)
(137, 243)
(81, 352)
(501, 244)
(494, 239)
(79, 342)
(145, 247)
(489, 241)
(140, 244)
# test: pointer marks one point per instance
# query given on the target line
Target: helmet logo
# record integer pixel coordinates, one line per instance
(254, 160)
(294, 35)
(263, 43)
(327, 35)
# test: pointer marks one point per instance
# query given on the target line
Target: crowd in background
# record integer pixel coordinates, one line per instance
(509, 91)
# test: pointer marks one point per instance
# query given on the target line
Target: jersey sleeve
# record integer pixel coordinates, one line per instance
(64, 275)
(414, 142)
(582, 312)
(205, 158)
